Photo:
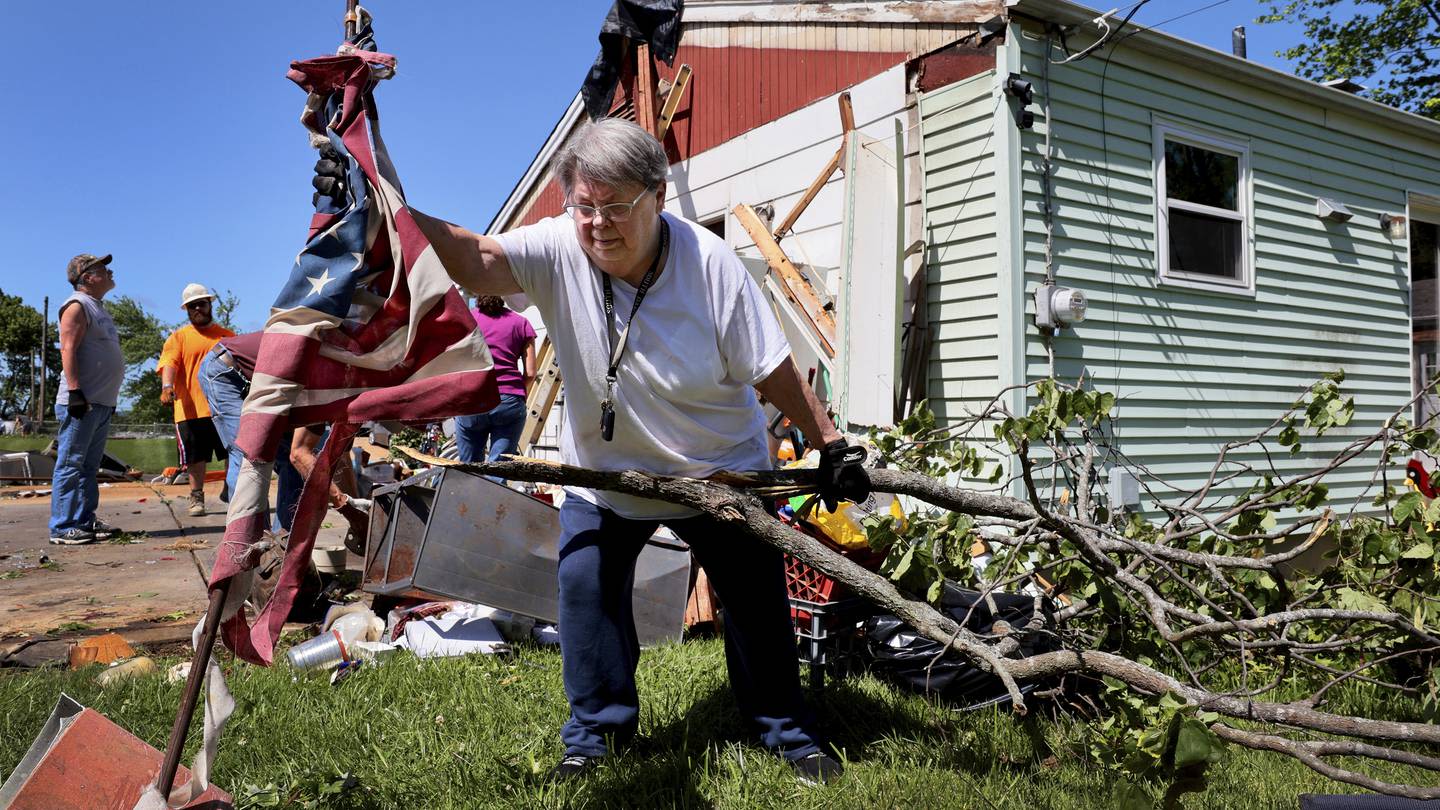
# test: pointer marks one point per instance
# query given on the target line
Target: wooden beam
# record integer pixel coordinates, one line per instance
(847, 125)
(672, 101)
(644, 88)
(847, 114)
(796, 288)
(810, 193)
(540, 399)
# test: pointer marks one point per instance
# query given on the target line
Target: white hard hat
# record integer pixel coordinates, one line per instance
(194, 292)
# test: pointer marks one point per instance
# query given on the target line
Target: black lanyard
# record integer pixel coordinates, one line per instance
(617, 348)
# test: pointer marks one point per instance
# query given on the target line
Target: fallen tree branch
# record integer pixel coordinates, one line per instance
(734, 499)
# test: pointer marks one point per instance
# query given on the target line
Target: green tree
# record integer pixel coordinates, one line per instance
(142, 336)
(224, 308)
(19, 353)
(1393, 45)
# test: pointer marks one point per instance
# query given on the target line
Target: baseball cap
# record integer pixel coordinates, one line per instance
(78, 265)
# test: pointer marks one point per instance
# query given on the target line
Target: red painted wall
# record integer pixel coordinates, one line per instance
(734, 90)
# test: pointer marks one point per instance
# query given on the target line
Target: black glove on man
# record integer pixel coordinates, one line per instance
(841, 476)
(78, 405)
(329, 179)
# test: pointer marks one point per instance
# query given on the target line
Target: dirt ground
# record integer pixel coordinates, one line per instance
(147, 590)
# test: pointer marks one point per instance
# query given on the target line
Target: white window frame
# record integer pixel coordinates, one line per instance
(1239, 148)
(1420, 207)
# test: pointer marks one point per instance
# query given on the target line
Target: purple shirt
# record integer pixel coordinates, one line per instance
(506, 335)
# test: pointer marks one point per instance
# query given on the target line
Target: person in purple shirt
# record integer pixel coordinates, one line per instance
(509, 336)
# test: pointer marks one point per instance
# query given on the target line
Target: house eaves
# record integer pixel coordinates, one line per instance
(809, 11)
(1233, 67)
(535, 173)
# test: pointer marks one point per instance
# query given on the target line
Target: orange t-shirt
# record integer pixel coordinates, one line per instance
(184, 350)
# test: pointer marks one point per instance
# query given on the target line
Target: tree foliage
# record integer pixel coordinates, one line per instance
(20, 335)
(142, 336)
(223, 309)
(1391, 45)
(1244, 610)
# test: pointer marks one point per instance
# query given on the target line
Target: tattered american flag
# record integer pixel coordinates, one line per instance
(367, 327)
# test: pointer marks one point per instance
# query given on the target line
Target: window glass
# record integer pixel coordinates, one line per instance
(1201, 176)
(1205, 245)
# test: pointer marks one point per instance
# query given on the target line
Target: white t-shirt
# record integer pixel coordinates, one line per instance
(684, 399)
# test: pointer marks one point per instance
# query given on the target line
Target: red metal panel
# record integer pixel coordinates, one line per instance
(736, 89)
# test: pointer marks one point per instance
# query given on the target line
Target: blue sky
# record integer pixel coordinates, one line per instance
(165, 132)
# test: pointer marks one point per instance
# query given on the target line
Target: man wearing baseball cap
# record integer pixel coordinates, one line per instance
(94, 368)
(179, 368)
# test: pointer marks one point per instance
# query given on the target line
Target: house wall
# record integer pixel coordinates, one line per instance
(963, 264)
(733, 90)
(1196, 369)
(775, 163)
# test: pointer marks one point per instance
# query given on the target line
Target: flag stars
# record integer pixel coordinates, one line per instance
(318, 282)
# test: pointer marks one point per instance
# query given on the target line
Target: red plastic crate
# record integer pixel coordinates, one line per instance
(807, 584)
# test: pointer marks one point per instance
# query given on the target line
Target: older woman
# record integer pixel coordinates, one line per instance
(662, 339)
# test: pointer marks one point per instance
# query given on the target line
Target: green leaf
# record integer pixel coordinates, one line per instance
(1351, 599)
(1130, 796)
(1419, 551)
(936, 589)
(1407, 506)
(1196, 744)
(903, 566)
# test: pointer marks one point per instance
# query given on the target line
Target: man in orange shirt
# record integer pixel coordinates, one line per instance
(180, 383)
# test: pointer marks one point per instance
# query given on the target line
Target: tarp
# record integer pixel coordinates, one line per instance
(656, 22)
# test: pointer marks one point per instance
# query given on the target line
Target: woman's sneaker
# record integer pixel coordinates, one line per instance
(73, 537)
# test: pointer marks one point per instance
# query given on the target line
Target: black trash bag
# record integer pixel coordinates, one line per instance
(654, 21)
(900, 654)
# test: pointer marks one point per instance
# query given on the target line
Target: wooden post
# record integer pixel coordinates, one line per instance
(645, 88)
(796, 288)
(352, 18)
(44, 339)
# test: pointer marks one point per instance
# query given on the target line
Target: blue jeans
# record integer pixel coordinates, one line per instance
(225, 389)
(500, 426)
(598, 646)
(80, 447)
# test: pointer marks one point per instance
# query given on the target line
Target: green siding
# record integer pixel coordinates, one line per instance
(1195, 369)
(962, 263)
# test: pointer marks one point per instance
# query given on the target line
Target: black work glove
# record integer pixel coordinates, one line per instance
(78, 405)
(329, 179)
(841, 476)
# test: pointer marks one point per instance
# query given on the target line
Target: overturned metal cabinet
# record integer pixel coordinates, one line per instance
(452, 534)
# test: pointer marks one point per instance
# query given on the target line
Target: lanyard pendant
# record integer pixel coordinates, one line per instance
(607, 421)
(607, 412)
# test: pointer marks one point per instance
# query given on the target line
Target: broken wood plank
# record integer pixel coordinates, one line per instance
(847, 124)
(796, 287)
(672, 101)
(645, 89)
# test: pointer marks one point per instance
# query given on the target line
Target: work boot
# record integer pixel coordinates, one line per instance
(573, 766)
(103, 530)
(197, 504)
(73, 537)
(817, 769)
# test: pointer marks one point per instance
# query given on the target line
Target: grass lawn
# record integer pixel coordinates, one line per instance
(482, 731)
(149, 455)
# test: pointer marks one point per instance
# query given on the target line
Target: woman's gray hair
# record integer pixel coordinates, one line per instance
(614, 153)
